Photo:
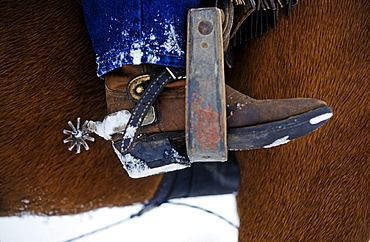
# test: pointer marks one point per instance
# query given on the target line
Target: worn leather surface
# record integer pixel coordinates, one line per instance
(158, 81)
(170, 104)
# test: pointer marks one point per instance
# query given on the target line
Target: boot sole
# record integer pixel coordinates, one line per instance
(279, 132)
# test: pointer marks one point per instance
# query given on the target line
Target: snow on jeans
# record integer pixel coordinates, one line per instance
(137, 31)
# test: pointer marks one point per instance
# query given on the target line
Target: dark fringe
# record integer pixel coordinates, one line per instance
(264, 16)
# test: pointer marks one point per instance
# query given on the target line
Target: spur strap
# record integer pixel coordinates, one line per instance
(157, 83)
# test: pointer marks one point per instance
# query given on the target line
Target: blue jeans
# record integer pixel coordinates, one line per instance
(137, 31)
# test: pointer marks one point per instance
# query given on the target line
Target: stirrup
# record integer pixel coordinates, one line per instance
(206, 126)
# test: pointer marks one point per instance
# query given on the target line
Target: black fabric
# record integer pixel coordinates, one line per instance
(207, 178)
(201, 179)
(264, 17)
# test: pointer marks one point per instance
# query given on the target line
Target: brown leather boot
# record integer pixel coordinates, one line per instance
(170, 105)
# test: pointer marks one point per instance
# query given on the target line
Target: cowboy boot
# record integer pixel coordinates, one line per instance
(242, 110)
(251, 123)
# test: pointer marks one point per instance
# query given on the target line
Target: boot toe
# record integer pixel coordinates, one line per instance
(266, 111)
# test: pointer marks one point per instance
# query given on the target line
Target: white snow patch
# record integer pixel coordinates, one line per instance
(320, 118)
(137, 168)
(125, 33)
(164, 223)
(171, 44)
(153, 59)
(136, 54)
(112, 123)
(152, 36)
(130, 132)
(278, 142)
(176, 154)
(163, 169)
(120, 58)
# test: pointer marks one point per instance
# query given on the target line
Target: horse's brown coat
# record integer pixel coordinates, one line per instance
(313, 189)
(317, 187)
(47, 78)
